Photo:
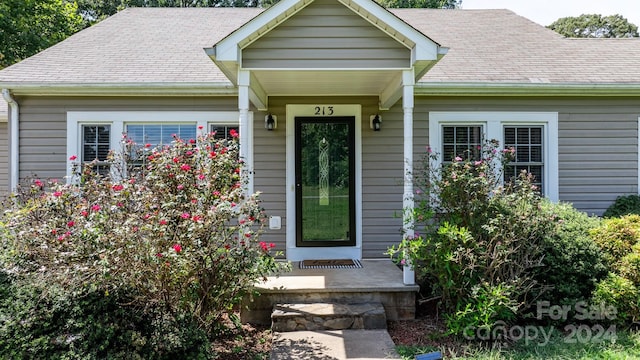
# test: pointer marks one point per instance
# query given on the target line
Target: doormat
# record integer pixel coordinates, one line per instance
(331, 264)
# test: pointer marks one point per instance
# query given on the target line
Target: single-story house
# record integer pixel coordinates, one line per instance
(334, 101)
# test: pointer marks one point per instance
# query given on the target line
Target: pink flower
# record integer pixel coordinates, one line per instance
(403, 262)
(479, 162)
(200, 127)
(189, 153)
(201, 177)
(272, 245)
(70, 223)
(247, 235)
(57, 193)
(117, 187)
(147, 145)
(177, 248)
(84, 213)
(163, 222)
(180, 187)
(192, 141)
(185, 215)
(176, 159)
(234, 134)
(458, 158)
(38, 183)
(212, 154)
(159, 255)
(119, 204)
(216, 193)
(242, 221)
(196, 218)
(72, 157)
(185, 167)
(263, 245)
(96, 208)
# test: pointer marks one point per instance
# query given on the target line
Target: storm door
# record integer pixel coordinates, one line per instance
(325, 181)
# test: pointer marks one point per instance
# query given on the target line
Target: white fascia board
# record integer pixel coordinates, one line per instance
(425, 48)
(227, 49)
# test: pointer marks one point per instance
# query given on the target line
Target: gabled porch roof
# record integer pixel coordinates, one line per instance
(382, 81)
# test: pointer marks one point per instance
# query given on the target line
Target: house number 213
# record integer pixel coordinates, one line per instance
(324, 110)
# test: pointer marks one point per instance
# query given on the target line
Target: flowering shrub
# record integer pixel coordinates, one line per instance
(480, 239)
(173, 223)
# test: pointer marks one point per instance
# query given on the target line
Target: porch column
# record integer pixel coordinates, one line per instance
(245, 129)
(408, 81)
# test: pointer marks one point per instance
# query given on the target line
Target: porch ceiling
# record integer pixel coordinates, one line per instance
(324, 82)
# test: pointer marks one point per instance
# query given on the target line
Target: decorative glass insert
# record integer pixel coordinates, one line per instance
(323, 166)
(96, 144)
(461, 141)
(528, 146)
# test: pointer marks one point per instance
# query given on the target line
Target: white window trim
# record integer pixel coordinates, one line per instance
(118, 120)
(493, 124)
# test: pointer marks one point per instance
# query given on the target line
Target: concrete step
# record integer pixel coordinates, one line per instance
(327, 316)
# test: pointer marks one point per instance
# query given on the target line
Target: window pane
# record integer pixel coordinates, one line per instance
(527, 142)
(223, 131)
(462, 141)
(96, 144)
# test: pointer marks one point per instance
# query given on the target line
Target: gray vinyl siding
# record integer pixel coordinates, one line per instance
(43, 144)
(4, 158)
(598, 142)
(326, 34)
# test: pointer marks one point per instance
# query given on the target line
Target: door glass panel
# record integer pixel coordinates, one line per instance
(324, 182)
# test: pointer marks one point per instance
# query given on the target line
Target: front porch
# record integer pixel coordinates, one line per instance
(378, 281)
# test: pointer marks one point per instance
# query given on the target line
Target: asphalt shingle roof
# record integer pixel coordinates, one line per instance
(160, 45)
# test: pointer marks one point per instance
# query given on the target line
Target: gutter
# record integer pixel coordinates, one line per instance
(120, 89)
(14, 121)
(426, 88)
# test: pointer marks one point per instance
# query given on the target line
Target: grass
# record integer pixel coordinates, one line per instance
(626, 346)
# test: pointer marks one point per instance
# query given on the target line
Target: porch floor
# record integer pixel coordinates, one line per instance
(375, 275)
(378, 281)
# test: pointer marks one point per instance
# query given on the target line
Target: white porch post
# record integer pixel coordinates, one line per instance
(408, 81)
(245, 128)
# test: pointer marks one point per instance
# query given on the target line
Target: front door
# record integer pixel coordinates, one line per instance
(325, 181)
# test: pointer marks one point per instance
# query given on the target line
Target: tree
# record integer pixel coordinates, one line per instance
(416, 4)
(29, 26)
(595, 26)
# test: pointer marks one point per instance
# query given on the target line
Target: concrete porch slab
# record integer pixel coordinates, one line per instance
(375, 275)
(378, 281)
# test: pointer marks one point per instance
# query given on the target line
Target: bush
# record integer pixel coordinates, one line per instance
(573, 263)
(617, 236)
(620, 292)
(624, 205)
(481, 240)
(619, 239)
(38, 322)
(174, 223)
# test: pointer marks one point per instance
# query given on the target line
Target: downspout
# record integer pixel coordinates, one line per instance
(14, 118)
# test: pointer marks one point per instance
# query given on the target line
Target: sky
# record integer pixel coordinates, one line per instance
(544, 12)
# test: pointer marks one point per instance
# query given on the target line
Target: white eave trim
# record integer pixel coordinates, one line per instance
(228, 49)
(423, 47)
(115, 89)
(525, 89)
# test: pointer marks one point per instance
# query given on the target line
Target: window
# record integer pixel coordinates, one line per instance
(92, 134)
(223, 131)
(96, 144)
(528, 146)
(533, 135)
(461, 141)
(156, 135)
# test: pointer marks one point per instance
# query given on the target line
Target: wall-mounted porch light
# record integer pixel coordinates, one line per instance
(270, 122)
(375, 122)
